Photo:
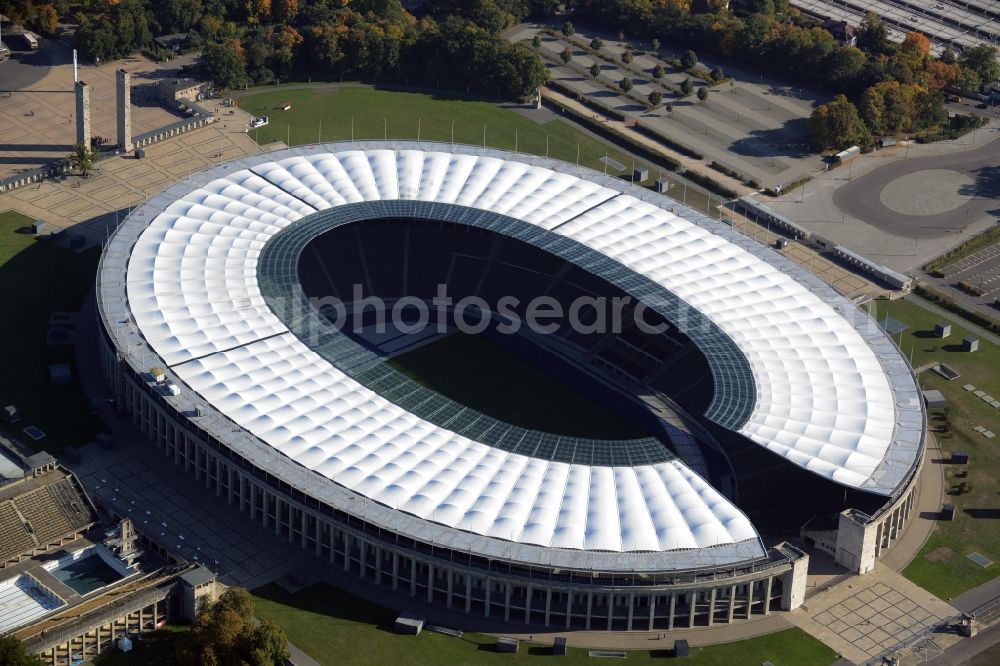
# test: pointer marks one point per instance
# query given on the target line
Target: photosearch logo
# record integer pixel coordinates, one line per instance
(507, 315)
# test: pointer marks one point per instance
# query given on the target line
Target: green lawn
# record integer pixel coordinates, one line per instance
(487, 378)
(947, 572)
(155, 649)
(38, 279)
(334, 627)
(376, 114)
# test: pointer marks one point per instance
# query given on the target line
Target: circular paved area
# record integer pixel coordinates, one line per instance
(26, 68)
(927, 197)
(926, 192)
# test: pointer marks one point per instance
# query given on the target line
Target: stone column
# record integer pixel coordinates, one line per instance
(124, 110)
(82, 113)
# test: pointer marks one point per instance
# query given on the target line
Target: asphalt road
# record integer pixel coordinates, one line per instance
(861, 198)
(25, 68)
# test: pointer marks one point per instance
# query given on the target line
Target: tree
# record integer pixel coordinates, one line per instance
(687, 87)
(702, 94)
(659, 72)
(941, 75)
(597, 43)
(873, 34)
(717, 74)
(916, 46)
(14, 653)
(595, 70)
(968, 81)
(845, 65)
(284, 10)
(836, 124)
(627, 57)
(982, 60)
(568, 29)
(948, 56)
(225, 633)
(655, 97)
(225, 64)
(566, 54)
(47, 19)
(689, 59)
(258, 11)
(82, 159)
(668, 107)
(536, 41)
(655, 44)
(625, 84)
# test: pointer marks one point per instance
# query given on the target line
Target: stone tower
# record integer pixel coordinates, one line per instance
(83, 113)
(124, 101)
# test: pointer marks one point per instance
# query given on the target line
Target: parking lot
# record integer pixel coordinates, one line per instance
(751, 125)
(956, 23)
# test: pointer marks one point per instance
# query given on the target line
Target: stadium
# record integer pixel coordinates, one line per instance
(354, 345)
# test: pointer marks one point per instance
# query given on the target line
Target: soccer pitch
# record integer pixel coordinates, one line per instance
(482, 375)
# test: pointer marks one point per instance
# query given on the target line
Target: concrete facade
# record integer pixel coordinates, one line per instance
(861, 538)
(86, 632)
(504, 591)
(82, 113)
(123, 81)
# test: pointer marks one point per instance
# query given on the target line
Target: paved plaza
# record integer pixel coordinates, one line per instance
(38, 121)
(863, 617)
(905, 205)
(92, 205)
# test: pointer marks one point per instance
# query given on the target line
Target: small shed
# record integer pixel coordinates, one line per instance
(409, 624)
(11, 414)
(59, 373)
(942, 329)
(934, 399)
(681, 648)
(959, 458)
(948, 512)
(640, 174)
(662, 185)
(970, 344)
(37, 226)
(559, 646)
(781, 243)
(507, 645)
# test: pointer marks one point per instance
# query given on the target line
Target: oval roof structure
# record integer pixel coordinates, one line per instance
(827, 390)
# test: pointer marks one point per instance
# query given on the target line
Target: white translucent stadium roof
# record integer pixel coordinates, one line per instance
(831, 394)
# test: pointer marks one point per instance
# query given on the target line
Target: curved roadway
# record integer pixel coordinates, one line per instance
(862, 198)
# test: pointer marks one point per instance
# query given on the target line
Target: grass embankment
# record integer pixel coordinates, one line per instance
(40, 278)
(942, 565)
(336, 628)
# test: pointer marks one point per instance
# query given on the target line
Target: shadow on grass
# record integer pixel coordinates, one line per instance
(325, 600)
(41, 278)
(982, 513)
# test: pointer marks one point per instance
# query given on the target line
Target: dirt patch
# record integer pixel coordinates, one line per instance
(940, 554)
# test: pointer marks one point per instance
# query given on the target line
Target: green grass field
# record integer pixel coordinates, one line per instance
(942, 566)
(155, 649)
(367, 113)
(481, 375)
(334, 627)
(39, 278)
